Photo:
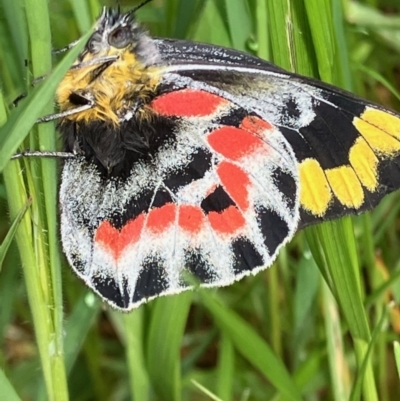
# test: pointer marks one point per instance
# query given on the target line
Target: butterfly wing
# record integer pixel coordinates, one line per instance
(347, 149)
(245, 154)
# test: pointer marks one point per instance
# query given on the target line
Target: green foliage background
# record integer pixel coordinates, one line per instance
(318, 325)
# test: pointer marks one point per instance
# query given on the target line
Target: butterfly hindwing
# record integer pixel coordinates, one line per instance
(218, 200)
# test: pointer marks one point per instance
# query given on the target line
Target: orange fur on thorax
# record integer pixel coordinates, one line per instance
(126, 76)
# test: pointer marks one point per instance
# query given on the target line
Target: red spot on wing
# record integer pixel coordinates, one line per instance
(236, 183)
(187, 103)
(228, 221)
(160, 218)
(255, 125)
(117, 240)
(191, 218)
(234, 143)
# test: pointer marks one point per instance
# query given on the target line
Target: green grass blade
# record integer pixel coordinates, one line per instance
(168, 319)
(82, 15)
(134, 340)
(226, 369)
(252, 347)
(363, 371)
(396, 350)
(11, 233)
(8, 393)
(79, 322)
(239, 23)
(337, 241)
(320, 19)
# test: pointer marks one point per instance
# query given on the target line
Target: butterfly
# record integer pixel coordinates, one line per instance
(191, 158)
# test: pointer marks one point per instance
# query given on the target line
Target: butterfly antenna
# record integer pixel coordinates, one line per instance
(139, 6)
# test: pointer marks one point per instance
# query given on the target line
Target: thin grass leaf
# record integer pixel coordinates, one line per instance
(239, 23)
(8, 393)
(337, 240)
(168, 319)
(396, 350)
(14, 14)
(263, 39)
(212, 28)
(45, 179)
(379, 78)
(134, 339)
(252, 347)
(11, 232)
(207, 392)
(280, 31)
(82, 15)
(184, 17)
(3, 113)
(77, 326)
(363, 371)
(320, 19)
(337, 358)
(226, 369)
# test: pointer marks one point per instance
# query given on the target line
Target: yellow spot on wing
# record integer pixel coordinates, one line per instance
(346, 186)
(383, 120)
(315, 194)
(380, 129)
(364, 163)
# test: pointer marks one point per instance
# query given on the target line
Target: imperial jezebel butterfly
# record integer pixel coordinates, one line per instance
(193, 158)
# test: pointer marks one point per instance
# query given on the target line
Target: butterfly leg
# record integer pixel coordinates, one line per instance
(47, 154)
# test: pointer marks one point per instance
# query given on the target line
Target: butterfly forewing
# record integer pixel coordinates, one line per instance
(347, 149)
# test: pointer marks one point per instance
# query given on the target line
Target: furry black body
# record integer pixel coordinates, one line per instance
(114, 149)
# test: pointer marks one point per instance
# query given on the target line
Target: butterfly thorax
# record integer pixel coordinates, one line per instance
(118, 90)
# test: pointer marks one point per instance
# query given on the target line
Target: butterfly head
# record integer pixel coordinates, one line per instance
(117, 33)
